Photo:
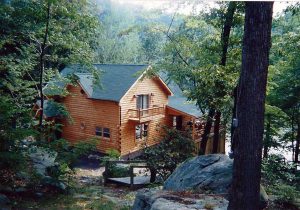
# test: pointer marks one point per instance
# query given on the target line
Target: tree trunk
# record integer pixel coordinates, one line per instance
(42, 66)
(250, 107)
(268, 137)
(224, 41)
(297, 143)
(206, 132)
(226, 31)
(216, 132)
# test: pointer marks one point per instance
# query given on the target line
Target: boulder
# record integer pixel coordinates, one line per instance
(153, 199)
(42, 159)
(206, 173)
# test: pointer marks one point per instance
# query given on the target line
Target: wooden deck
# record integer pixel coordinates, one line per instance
(137, 181)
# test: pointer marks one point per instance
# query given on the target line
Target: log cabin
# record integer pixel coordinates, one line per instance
(123, 108)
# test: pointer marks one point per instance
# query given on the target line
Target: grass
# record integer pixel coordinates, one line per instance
(82, 198)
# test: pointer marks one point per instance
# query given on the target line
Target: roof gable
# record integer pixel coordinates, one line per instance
(115, 80)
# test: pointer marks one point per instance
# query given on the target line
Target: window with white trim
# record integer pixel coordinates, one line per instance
(106, 132)
(98, 131)
(102, 132)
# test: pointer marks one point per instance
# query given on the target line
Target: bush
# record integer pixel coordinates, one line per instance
(12, 160)
(68, 153)
(112, 169)
(284, 193)
(278, 175)
(275, 169)
(173, 148)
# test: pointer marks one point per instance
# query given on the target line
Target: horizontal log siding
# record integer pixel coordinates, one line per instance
(186, 118)
(92, 113)
(160, 98)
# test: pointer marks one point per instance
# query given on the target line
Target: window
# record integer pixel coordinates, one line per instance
(142, 102)
(106, 133)
(141, 131)
(98, 131)
(174, 121)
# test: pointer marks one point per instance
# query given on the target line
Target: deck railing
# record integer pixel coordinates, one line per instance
(144, 113)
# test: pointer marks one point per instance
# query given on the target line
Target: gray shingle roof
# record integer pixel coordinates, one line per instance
(179, 101)
(115, 80)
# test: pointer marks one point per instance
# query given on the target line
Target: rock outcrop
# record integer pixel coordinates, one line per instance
(208, 176)
(153, 199)
(207, 173)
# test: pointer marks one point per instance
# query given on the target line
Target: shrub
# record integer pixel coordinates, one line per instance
(284, 193)
(68, 153)
(173, 148)
(12, 160)
(275, 169)
(112, 169)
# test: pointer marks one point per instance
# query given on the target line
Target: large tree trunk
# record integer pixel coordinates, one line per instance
(207, 128)
(250, 107)
(42, 66)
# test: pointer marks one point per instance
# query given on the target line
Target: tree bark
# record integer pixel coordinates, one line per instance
(42, 65)
(225, 42)
(206, 132)
(216, 132)
(250, 107)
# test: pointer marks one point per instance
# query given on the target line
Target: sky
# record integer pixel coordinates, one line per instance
(170, 6)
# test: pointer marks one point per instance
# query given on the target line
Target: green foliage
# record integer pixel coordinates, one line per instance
(114, 169)
(68, 153)
(284, 193)
(192, 59)
(173, 148)
(279, 178)
(12, 160)
(72, 29)
(113, 153)
(275, 169)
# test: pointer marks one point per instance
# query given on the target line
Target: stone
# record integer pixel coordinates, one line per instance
(206, 173)
(154, 199)
(42, 159)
